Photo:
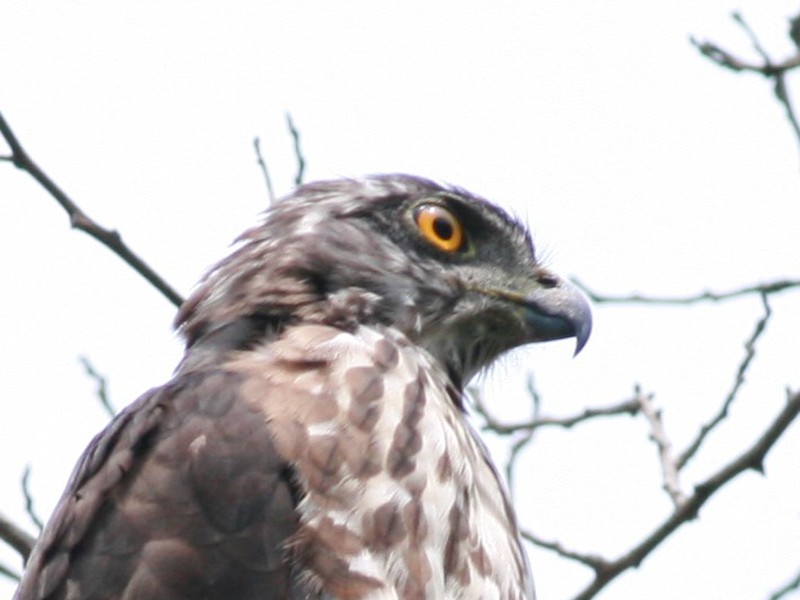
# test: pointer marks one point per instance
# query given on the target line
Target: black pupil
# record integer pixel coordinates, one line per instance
(443, 228)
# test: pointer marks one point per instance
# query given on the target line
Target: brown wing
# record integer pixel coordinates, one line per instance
(182, 496)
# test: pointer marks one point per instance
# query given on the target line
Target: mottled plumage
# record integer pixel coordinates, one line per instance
(313, 442)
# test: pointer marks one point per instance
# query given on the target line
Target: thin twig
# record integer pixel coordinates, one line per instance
(669, 469)
(301, 161)
(515, 452)
(10, 573)
(782, 93)
(752, 458)
(534, 395)
(768, 67)
(80, 220)
(782, 592)
(102, 385)
(737, 16)
(16, 537)
(264, 170)
(760, 289)
(26, 492)
(750, 352)
(527, 436)
(626, 407)
(730, 61)
(595, 562)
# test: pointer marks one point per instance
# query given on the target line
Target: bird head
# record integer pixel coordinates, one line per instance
(451, 271)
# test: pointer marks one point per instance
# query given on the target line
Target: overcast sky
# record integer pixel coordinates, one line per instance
(638, 165)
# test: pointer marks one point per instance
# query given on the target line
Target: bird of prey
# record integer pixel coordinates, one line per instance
(313, 442)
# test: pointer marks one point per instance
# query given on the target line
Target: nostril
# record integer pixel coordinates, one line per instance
(547, 279)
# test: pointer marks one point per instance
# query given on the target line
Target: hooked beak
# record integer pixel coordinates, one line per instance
(558, 310)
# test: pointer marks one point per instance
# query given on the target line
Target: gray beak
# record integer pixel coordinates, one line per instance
(559, 311)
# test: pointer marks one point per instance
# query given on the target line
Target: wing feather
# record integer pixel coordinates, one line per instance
(183, 495)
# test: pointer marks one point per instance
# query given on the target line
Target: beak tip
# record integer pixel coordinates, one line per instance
(582, 322)
(582, 336)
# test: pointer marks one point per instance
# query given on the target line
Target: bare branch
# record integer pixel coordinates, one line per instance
(26, 492)
(768, 68)
(16, 537)
(750, 351)
(102, 387)
(629, 407)
(737, 16)
(525, 430)
(597, 563)
(722, 57)
(725, 59)
(80, 220)
(782, 94)
(264, 170)
(524, 440)
(752, 458)
(760, 289)
(780, 89)
(669, 467)
(516, 450)
(8, 572)
(301, 162)
(794, 584)
(534, 395)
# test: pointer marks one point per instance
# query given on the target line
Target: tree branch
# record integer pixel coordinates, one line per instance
(763, 289)
(16, 537)
(752, 458)
(8, 572)
(26, 492)
(669, 467)
(264, 170)
(782, 592)
(737, 16)
(526, 438)
(80, 220)
(301, 161)
(626, 407)
(768, 67)
(750, 352)
(782, 94)
(102, 386)
(595, 562)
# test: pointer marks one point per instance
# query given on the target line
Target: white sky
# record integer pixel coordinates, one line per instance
(638, 164)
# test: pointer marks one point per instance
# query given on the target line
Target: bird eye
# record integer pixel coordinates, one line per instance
(440, 227)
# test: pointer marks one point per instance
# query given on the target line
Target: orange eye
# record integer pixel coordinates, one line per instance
(440, 227)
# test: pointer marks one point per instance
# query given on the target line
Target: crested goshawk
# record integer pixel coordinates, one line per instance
(313, 442)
